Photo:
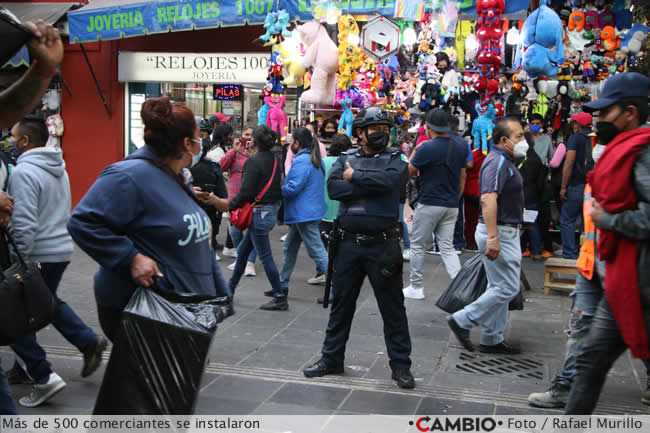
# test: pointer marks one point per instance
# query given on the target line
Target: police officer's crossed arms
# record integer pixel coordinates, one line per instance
(367, 181)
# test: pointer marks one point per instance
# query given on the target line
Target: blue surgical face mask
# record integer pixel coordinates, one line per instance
(535, 129)
(196, 158)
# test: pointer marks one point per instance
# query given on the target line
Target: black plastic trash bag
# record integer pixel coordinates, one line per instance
(467, 287)
(159, 354)
(470, 283)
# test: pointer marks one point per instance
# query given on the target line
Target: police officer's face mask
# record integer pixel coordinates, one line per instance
(378, 140)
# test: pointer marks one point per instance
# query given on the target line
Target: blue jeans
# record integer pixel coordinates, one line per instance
(491, 310)
(308, 233)
(459, 229)
(66, 322)
(405, 231)
(7, 405)
(586, 297)
(237, 236)
(571, 209)
(257, 236)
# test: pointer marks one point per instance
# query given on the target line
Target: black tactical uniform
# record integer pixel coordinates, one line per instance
(369, 245)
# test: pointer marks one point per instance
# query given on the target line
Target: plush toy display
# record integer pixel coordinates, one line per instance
(345, 122)
(350, 60)
(541, 51)
(591, 20)
(55, 129)
(276, 24)
(607, 18)
(610, 40)
(576, 21)
(483, 127)
(347, 27)
(322, 55)
(276, 118)
(634, 40)
(262, 114)
(275, 73)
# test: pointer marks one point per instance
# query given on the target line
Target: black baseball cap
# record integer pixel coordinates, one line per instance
(617, 87)
(438, 120)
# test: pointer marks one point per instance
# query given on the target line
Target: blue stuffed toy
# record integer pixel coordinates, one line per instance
(482, 128)
(282, 24)
(541, 32)
(345, 122)
(262, 113)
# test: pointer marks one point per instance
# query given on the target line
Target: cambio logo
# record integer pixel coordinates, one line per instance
(460, 424)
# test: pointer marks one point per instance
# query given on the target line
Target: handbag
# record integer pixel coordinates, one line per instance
(242, 218)
(26, 303)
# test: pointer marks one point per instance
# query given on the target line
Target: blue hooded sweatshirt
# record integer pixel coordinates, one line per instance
(135, 207)
(303, 191)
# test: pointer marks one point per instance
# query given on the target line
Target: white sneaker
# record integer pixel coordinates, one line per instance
(318, 279)
(283, 238)
(406, 255)
(231, 267)
(413, 293)
(42, 393)
(229, 252)
(250, 270)
(217, 257)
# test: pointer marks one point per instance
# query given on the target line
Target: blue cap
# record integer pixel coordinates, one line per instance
(617, 87)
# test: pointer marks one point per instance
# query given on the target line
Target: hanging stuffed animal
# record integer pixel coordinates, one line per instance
(610, 40)
(592, 21)
(576, 21)
(276, 118)
(541, 51)
(482, 128)
(55, 129)
(322, 55)
(291, 62)
(350, 60)
(634, 40)
(275, 73)
(347, 27)
(345, 122)
(276, 25)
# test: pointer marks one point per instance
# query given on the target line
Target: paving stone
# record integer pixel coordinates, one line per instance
(321, 397)
(209, 405)
(281, 356)
(289, 409)
(242, 388)
(370, 402)
(438, 406)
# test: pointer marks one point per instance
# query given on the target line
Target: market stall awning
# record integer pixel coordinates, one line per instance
(48, 12)
(115, 19)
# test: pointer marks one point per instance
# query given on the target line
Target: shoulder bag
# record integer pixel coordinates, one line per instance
(26, 303)
(243, 217)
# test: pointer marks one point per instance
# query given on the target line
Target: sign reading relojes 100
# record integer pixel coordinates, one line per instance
(243, 68)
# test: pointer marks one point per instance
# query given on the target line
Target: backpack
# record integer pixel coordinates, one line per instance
(588, 160)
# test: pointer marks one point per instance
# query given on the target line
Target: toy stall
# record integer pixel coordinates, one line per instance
(480, 60)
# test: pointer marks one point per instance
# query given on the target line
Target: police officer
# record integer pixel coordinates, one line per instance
(367, 181)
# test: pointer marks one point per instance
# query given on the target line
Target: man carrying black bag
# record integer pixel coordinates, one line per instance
(497, 236)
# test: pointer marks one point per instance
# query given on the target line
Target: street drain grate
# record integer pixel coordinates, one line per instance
(523, 368)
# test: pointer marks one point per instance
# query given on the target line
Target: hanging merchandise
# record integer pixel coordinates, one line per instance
(55, 129)
(345, 122)
(291, 51)
(276, 25)
(322, 56)
(634, 40)
(541, 51)
(263, 113)
(482, 128)
(490, 35)
(350, 56)
(380, 38)
(275, 73)
(276, 118)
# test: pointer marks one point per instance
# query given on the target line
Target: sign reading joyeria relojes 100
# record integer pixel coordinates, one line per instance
(243, 68)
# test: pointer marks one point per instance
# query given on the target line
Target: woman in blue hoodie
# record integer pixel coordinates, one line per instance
(304, 207)
(142, 223)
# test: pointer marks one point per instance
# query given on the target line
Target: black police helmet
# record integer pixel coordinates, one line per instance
(204, 125)
(371, 116)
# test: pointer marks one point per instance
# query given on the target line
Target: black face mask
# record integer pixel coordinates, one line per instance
(328, 134)
(606, 132)
(378, 140)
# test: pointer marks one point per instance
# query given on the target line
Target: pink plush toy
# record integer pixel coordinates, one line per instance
(276, 118)
(322, 54)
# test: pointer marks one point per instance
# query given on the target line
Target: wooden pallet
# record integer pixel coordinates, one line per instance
(559, 266)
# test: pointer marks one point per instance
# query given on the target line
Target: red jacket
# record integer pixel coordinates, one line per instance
(613, 189)
(472, 183)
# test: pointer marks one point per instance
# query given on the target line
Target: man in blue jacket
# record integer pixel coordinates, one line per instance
(304, 207)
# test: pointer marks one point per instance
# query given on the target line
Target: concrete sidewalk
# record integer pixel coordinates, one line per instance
(257, 357)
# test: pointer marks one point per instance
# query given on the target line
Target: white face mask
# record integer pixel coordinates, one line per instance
(597, 151)
(521, 148)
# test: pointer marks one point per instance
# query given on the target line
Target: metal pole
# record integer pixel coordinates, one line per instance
(92, 72)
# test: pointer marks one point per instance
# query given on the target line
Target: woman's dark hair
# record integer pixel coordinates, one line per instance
(340, 143)
(222, 131)
(265, 138)
(166, 125)
(324, 125)
(307, 141)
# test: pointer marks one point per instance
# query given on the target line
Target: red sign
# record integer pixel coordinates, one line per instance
(226, 92)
